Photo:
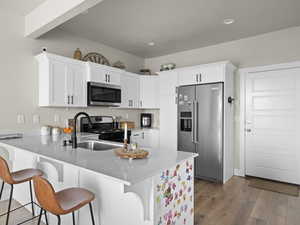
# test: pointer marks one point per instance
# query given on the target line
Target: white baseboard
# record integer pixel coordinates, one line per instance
(239, 172)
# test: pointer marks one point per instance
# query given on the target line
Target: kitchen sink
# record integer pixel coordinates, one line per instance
(98, 145)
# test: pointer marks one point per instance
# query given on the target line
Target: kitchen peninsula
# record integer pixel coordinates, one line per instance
(158, 190)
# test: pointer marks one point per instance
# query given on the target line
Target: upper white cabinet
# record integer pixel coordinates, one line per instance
(130, 85)
(149, 92)
(209, 73)
(103, 74)
(62, 81)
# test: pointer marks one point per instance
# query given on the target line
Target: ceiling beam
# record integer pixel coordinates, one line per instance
(53, 13)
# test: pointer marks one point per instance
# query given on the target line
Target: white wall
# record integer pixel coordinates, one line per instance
(19, 73)
(271, 48)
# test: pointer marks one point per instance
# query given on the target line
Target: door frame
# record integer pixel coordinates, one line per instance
(243, 74)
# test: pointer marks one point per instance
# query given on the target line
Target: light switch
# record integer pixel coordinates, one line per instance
(21, 119)
(36, 119)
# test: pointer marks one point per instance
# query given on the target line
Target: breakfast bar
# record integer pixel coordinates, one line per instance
(157, 190)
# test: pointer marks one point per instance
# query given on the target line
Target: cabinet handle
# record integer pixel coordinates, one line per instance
(141, 103)
(108, 78)
(143, 135)
(200, 77)
(68, 99)
(197, 79)
(72, 100)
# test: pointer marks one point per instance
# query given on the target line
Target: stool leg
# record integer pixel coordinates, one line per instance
(40, 216)
(92, 214)
(2, 187)
(46, 217)
(31, 197)
(73, 215)
(9, 204)
(58, 220)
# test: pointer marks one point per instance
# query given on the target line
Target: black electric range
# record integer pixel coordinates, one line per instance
(105, 127)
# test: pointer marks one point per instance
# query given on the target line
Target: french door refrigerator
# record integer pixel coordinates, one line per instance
(200, 127)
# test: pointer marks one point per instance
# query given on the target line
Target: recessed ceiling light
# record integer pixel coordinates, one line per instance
(228, 21)
(151, 43)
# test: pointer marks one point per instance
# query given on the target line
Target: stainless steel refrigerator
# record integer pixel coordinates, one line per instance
(200, 127)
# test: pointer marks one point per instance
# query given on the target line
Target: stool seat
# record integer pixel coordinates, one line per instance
(22, 176)
(72, 199)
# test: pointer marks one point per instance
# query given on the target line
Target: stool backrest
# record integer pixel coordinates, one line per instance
(4, 172)
(46, 196)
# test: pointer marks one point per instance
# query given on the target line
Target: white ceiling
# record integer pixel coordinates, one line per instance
(21, 7)
(177, 25)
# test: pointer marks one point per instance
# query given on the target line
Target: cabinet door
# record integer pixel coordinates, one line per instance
(187, 77)
(149, 92)
(211, 74)
(130, 90)
(96, 73)
(77, 86)
(58, 83)
(168, 110)
(206, 74)
(112, 77)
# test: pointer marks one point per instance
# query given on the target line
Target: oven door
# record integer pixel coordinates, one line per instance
(103, 94)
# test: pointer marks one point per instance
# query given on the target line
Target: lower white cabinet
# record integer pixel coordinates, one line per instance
(146, 138)
(62, 81)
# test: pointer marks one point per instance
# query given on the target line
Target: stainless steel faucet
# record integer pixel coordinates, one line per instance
(74, 133)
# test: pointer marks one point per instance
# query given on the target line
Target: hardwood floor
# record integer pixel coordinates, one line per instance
(235, 203)
(16, 216)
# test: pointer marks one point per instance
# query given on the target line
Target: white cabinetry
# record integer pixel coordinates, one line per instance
(103, 74)
(149, 92)
(209, 73)
(62, 81)
(168, 110)
(146, 138)
(130, 85)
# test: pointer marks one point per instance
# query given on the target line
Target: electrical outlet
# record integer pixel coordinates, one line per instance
(127, 116)
(36, 119)
(20, 119)
(56, 118)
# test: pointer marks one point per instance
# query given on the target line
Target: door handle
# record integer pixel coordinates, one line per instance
(248, 130)
(197, 119)
(193, 122)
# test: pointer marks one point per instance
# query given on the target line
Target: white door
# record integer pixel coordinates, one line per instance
(58, 83)
(168, 111)
(149, 92)
(272, 125)
(77, 86)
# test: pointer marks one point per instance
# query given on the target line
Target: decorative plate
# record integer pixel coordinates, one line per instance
(96, 58)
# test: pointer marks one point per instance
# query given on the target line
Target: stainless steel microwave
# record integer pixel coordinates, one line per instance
(103, 94)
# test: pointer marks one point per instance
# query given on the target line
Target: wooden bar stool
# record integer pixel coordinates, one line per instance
(62, 202)
(13, 178)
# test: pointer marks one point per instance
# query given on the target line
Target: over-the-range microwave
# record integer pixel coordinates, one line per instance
(103, 94)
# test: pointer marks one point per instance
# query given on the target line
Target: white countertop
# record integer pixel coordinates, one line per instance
(125, 171)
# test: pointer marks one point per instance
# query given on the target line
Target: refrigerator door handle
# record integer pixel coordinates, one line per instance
(197, 121)
(193, 122)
